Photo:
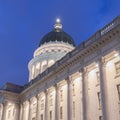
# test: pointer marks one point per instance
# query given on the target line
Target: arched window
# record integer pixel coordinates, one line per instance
(44, 66)
(33, 72)
(37, 68)
(51, 62)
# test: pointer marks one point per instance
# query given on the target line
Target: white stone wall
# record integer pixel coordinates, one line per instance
(112, 80)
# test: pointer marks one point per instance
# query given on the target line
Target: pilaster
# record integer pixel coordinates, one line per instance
(46, 104)
(4, 111)
(69, 117)
(103, 88)
(56, 102)
(21, 111)
(85, 93)
(38, 107)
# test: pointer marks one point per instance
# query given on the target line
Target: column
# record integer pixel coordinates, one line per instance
(21, 111)
(84, 93)
(4, 111)
(1, 112)
(25, 115)
(69, 116)
(56, 102)
(29, 109)
(103, 88)
(17, 111)
(46, 104)
(38, 108)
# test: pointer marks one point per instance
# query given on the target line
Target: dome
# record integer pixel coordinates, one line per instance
(53, 46)
(57, 35)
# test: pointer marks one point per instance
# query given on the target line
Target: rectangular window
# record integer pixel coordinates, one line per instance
(42, 104)
(117, 67)
(44, 67)
(50, 115)
(61, 95)
(9, 112)
(100, 118)
(99, 100)
(33, 118)
(14, 112)
(51, 100)
(61, 113)
(98, 77)
(73, 89)
(73, 109)
(41, 118)
(118, 89)
(34, 108)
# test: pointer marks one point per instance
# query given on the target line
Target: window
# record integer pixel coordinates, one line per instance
(37, 68)
(99, 100)
(73, 89)
(41, 117)
(98, 77)
(118, 90)
(14, 111)
(44, 66)
(50, 115)
(51, 100)
(42, 104)
(73, 109)
(61, 95)
(117, 66)
(100, 118)
(34, 108)
(61, 113)
(33, 71)
(9, 112)
(33, 118)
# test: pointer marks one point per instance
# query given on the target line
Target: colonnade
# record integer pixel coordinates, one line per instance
(9, 111)
(68, 99)
(67, 105)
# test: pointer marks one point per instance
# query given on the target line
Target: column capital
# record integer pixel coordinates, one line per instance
(1, 105)
(101, 62)
(83, 71)
(68, 79)
(25, 102)
(45, 92)
(38, 96)
(55, 85)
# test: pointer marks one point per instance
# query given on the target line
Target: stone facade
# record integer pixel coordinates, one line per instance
(83, 85)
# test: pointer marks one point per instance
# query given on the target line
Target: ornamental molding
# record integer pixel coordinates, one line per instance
(84, 50)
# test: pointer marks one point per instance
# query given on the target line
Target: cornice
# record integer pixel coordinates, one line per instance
(92, 45)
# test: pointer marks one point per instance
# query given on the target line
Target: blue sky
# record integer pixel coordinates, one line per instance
(24, 22)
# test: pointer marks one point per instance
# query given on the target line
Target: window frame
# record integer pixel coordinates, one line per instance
(117, 67)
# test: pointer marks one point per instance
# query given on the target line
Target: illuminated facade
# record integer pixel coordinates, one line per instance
(68, 82)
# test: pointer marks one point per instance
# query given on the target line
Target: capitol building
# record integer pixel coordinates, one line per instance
(68, 82)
